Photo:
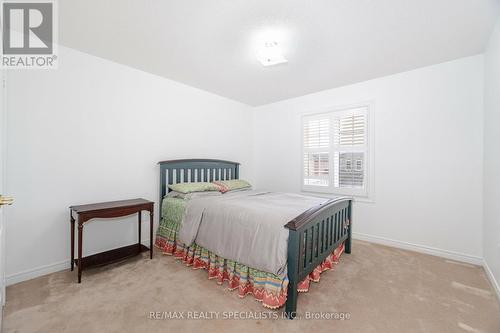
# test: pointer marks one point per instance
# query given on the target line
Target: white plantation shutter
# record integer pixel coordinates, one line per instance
(349, 148)
(316, 138)
(335, 151)
(349, 128)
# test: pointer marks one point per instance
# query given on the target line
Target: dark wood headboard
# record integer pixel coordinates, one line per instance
(195, 170)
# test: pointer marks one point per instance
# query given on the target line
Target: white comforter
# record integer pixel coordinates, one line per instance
(245, 226)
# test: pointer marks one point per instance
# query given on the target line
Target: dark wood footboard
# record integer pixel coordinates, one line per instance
(314, 235)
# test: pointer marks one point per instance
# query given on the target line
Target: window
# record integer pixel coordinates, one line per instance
(335, 152)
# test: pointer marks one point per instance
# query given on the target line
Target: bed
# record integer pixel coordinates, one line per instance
(313, 235)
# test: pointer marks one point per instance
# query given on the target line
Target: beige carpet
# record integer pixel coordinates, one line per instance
(382, 289)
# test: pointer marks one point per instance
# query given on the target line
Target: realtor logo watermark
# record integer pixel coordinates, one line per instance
(29, 31)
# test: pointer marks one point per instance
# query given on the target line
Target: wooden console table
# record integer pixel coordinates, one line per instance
(109, 210)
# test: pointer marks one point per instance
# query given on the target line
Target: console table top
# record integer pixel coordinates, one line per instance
(109, 205)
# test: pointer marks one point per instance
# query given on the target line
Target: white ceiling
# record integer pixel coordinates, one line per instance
(211, 44)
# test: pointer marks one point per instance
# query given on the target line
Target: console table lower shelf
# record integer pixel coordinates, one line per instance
(112, 256)
(109, 210)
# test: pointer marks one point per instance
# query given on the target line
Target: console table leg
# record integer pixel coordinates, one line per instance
(72, 259)
(151, 235)
(139, 242)
(80, 240)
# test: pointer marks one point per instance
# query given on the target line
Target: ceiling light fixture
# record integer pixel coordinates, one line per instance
(270, 54)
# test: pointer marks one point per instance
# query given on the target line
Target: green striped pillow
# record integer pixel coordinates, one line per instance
(193, 187)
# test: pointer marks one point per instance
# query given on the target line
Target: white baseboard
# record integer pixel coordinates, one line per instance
(36, 272)
(62, 265)
(457, 256)
(492, 279)
(44, 270)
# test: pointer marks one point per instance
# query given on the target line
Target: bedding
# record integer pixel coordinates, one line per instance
(245, 226)
(232, 185)
(175, 194)
(268, 288)
(193, 187)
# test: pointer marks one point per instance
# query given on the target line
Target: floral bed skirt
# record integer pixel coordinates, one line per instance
(270, 289)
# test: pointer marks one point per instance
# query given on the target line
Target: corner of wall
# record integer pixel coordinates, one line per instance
(491, 160)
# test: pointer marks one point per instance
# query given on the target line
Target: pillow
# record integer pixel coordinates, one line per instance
(193, 187)
(230, 185)
(174, 194)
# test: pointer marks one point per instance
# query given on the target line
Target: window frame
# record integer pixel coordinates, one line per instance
(365, 194)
